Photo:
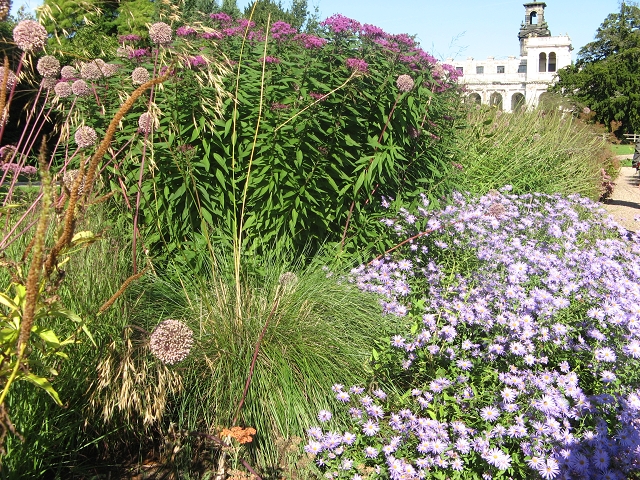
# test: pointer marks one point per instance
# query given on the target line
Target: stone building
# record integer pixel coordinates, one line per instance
(518, 81)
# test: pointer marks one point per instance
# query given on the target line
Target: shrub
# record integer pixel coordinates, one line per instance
(520, 356)
(290, 138)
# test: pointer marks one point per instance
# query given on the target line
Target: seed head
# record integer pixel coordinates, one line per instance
(86, 137)
(404, 83)
(11, 78)
(80, 88)
(288, 278)
(171, 341)
(90, 71)
(30, 36)
(160, 33)
(49, 82)
(109, 69)
(48, 66)
(140, 75)
(145, 123)
(69, 178)
(68, 72)
(63, 89)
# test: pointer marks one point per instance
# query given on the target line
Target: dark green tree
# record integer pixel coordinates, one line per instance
(606, 75)
(230, 7)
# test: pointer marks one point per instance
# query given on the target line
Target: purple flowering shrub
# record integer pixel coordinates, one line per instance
(519, 356)
(336, 129)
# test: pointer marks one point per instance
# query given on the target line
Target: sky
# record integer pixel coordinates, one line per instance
(461, 28)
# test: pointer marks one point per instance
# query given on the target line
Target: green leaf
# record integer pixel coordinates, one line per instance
(44, 384)
(48, 335)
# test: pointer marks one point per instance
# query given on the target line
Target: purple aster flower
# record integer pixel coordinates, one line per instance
(370, 452)
(324, 415)
(370, 428)
(489, 414)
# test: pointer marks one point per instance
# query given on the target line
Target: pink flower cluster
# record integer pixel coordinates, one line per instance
(357, 65)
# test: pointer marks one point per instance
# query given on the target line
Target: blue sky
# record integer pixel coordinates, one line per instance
(462, 28)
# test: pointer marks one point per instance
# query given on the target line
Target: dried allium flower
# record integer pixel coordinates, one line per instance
(11, 78)
(86, 137)
(145, 123)
(63, 89)
(68, 72)
(80, 88)
(90, 71)
(7, 151)
(30, 36)
(48, 82)
(171, 341)
(109, 69)
(288, 278)
(586, 110)
(140, 75)
(69, 178)
(48, 66)
(404, 83)
(123, 52)
(160, 33)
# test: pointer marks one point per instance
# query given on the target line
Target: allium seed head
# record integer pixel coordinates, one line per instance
(90, 71)
(63, 89)
(109, 69)
(160, 33)
(69, 178)
(140, 75)
(80, 88)
(288, 279)
(30, 36)
(68, 72)
(145, 123)
(86, 137)
(48, 82)
(171, 341)
(404, 83)
(11, 78)
(48, 66)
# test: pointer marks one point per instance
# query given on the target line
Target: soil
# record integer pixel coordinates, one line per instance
(624, 204)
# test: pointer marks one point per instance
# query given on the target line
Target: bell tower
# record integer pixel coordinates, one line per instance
(533, 25)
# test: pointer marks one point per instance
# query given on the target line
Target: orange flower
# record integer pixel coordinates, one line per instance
(242, 435)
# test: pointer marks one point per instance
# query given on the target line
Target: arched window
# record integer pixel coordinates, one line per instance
(517, 102)
(474, 98)
(552, 62)
(496, 100)
(533, 18)
(542, 64)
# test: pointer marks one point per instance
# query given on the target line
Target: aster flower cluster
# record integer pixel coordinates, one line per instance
(523, 353)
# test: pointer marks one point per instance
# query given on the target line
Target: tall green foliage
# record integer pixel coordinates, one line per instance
(606, 77)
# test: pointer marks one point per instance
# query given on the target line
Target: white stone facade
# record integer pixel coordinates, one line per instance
(518, 81)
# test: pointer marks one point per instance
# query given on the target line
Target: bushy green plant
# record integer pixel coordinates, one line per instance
(264, 356)
(545, 150)
(294, 140)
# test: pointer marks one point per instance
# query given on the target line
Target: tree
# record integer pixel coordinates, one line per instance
(606, 75)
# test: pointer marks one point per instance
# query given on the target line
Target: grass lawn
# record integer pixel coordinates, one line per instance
(622, 149)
